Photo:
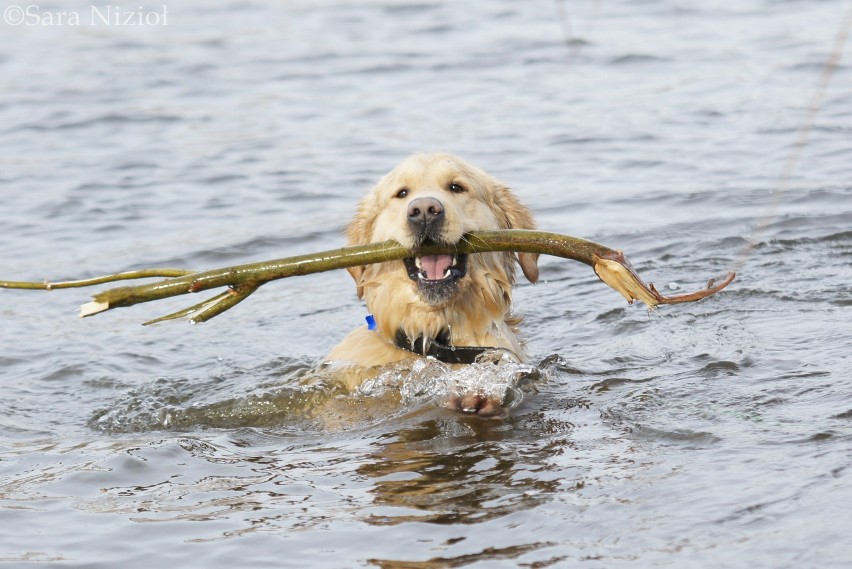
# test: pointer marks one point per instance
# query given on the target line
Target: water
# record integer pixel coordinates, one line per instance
(709, 435)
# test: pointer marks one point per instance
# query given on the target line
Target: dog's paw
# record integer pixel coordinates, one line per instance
(477, 404)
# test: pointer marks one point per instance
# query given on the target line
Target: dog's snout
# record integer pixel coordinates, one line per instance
(425, 212)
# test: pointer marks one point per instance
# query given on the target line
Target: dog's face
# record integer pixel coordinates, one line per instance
(438, 198)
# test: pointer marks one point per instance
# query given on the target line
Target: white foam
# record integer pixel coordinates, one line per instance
(427, 380)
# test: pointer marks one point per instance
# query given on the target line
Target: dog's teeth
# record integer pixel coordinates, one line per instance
(447, 274)
(418, 262)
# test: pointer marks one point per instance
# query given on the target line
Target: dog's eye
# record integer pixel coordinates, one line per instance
(402, 193)
(457, 188)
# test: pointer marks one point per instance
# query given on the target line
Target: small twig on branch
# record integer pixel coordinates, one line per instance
(185, 312)
(610, 265)
(128, 275)
(204, 311)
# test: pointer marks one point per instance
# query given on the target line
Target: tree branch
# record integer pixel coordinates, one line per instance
(609, 264)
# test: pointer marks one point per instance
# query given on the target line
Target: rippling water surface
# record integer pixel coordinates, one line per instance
(717, 434)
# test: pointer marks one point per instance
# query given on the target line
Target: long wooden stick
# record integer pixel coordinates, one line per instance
(609, 264)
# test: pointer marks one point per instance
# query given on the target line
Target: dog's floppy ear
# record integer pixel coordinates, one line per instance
(516, 215)
(359, 232)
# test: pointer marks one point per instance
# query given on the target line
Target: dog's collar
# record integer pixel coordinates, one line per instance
(440, 348)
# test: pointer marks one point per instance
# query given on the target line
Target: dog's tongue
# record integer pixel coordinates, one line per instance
(435, 266)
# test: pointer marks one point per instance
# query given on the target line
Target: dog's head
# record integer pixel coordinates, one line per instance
(438, 198)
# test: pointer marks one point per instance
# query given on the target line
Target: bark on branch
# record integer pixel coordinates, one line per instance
(609, 264)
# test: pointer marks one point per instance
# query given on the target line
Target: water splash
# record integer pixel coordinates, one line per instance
(273, 394)
(422, 381)
(302, 397)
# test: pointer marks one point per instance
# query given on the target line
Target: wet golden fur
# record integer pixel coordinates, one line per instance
(480, 313)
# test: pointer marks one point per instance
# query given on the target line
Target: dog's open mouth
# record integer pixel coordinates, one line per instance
(436, 269)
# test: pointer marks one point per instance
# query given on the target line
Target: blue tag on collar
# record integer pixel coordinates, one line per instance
(371, 322)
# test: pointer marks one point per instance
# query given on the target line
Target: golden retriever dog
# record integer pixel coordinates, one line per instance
(449, 307)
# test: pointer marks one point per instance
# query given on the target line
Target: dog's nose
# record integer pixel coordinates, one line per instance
(424, 212)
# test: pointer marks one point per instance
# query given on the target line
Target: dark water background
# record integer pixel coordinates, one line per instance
(717, 434)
